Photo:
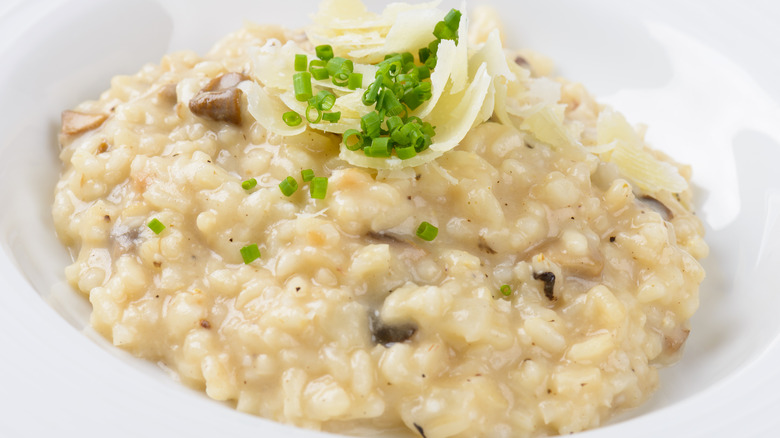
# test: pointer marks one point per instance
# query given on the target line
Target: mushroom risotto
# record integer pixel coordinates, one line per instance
(382, 223)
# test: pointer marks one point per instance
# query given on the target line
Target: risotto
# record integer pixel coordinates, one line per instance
(498, 256)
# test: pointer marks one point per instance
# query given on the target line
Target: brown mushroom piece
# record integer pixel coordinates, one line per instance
(387, 334)
(220, 99)
(75, 122)
(657, 206)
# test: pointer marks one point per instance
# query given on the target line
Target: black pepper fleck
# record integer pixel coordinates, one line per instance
(420, 430)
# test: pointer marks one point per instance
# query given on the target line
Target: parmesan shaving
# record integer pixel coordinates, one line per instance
(268, 110)
(646, 171)
(629, 154)
(546, 125)
(366, 37)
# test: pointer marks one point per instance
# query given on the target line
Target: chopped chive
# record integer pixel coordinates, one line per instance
(341, 78)
(412, 99)
(307, 175)
(318, 187)
(250, 253)
(319, 73)
(423, 54)
(288, 186)
(291, 118)
(423, 72)
(313, 114)
(332, 117)
(156, 226)
(390, 103)
(302, 86)
(317, 63)
(452, 19)
(301, 61)
(371, 93)
(324, 100)
(406, 152)
(407, 80)
(380, 147)
(324, 52)
(339, 69)
(339, 64)
(395, 69)
(427, 231)
(355, 81)
(371, 124)
(249, 184)
(352, 139)
(433, 48)
(506, 290)
(444, 32)
(393, 123)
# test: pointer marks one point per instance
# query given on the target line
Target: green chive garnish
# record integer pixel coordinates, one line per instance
(250, 253)
(506, 290)
(452, 20)
(324, 100)
(301, 61)
(427, 231)
(406, 152)
(352, 139)
(249, 184)
(307, 175)
(288, 186)
(156, 226)
(423, 54)
(355, 81)
(319, 73)
(313, 114)
(291, 118)
(423, 72)
(324, 52)
(318, 187)
(302, 86)
(380, 147)
(370, 124)
(331, 117)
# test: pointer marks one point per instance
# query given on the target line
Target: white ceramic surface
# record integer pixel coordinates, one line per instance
(702, 74)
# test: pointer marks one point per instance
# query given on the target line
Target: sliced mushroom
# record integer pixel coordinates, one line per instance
(220, 99)
(387, 335)
(548, 278)
(75, 122)
(657, 206)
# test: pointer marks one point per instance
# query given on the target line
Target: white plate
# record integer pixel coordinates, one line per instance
(703, 75)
